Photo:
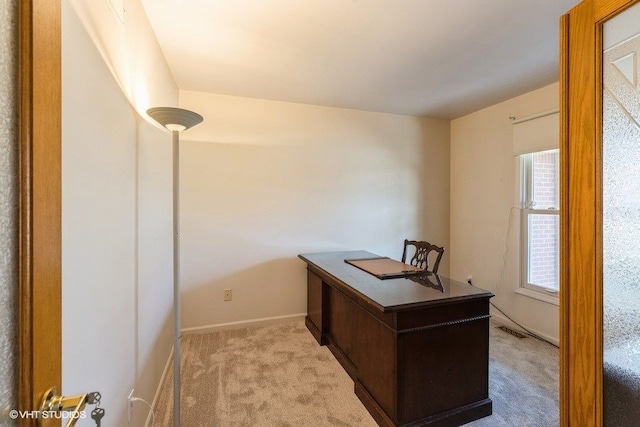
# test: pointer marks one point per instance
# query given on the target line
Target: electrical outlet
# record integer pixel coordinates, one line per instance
(130, 406)
(227, 294)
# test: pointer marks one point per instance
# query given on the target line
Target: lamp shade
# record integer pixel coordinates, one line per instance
(174, 119)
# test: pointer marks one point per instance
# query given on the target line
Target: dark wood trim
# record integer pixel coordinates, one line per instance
(377, 413)
(317, 334)
(40, 249)
(458, 416)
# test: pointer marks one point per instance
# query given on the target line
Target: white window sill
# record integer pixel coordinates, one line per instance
(551, 298)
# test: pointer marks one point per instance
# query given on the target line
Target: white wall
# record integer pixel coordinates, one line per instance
(130, 50)
(263, 181)
(116, 231)
(484, 214)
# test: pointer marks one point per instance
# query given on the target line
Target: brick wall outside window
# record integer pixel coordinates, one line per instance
(544, 229)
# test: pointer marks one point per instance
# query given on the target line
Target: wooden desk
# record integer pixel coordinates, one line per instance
(417, 351)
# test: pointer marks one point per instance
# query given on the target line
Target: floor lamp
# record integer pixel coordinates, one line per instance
(176, 120)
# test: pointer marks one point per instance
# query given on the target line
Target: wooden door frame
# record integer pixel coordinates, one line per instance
(40, 203)
(581, 381)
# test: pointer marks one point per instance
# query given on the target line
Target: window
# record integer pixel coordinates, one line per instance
(540, 221)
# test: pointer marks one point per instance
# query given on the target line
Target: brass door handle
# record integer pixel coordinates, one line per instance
(53, 402)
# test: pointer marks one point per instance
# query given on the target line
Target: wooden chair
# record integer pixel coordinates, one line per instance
(421, 251)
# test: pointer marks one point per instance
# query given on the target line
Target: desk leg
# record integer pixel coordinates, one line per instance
(316, 320)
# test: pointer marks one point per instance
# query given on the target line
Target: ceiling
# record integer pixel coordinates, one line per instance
(432, 58)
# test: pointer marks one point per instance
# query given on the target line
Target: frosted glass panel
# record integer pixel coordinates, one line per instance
(621, 219)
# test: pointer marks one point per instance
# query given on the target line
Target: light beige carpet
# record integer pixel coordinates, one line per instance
(278, 375)
(275, 375)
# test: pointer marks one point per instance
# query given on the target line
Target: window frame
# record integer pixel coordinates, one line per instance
(526, 210)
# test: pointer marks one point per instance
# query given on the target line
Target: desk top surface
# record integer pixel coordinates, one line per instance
(392, 294)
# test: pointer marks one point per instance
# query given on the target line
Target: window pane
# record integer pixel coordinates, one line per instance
(543, 250)
(545, 180)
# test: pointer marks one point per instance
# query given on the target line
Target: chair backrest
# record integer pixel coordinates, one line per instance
(421, 251)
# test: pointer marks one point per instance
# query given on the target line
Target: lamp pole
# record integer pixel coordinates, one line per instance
(175, 137)
(176, 120)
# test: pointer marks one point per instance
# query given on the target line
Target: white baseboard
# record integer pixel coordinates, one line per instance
(243, 324)
(500, 319)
